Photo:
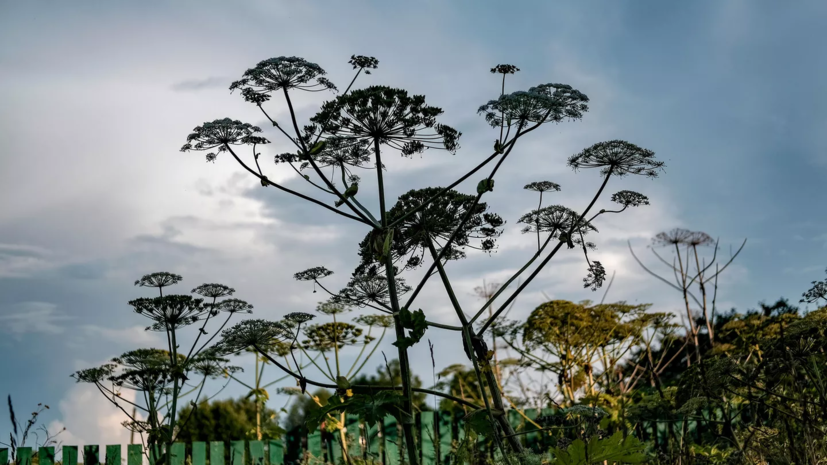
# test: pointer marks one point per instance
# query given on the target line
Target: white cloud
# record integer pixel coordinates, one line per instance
(90, 419)
(33, 317)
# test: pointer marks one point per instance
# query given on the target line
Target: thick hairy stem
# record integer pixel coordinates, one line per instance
(707, 318)
(692, 328)
(404, 365)
(407, 418)
(490, 379)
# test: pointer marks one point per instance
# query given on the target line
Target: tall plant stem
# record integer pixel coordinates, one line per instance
(490, 378)
(692, 328)
(707, 318)
(406, 418)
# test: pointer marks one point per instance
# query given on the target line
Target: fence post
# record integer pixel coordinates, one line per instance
(24, 456)
(113, 455)
(91, 455)
(354, 436)
(199, 453)
(314, 444)
(134, 454)
(391, 436)
(177, 451)
(276, 452)
(45, 456)
(216, 453)
(373, 439)
(427, 437)
(445, 435)
(256, 453)
(237, 452)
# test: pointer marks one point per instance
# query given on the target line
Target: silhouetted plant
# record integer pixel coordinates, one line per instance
(684, 278)
(356, 129)
(161, 377)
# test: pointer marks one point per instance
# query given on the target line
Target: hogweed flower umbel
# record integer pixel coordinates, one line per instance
(279, 73)
(387, 116)
(220, 134)
(618, 157)
(545, 103)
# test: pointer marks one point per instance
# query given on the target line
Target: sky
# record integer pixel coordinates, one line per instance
(98, 97)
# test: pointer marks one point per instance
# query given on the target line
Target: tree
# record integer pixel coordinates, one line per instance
(359, 127)
(230, 419)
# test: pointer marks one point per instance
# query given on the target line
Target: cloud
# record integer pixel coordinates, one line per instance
(18, 260)
(33, 317)
(90, 419)
(194, 85)
(133, 336)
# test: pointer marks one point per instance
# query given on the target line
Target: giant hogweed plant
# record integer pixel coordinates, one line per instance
(426, 227)
(161, 378)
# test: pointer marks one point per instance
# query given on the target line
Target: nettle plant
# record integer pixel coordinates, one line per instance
(426, 227)
(161, 378)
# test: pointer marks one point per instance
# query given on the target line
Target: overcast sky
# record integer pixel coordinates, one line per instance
(98, 97)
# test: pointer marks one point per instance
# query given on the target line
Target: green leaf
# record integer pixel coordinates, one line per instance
(413, 321)
(486, 185)
(318, 147)
(611, 450)
(386, 250)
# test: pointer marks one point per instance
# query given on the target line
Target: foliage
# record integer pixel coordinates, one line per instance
(218, 420)
(20, 434)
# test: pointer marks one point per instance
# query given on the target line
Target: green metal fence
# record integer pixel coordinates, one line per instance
(437, 432)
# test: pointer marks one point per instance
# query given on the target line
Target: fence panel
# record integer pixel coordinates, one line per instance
(354, 436)
(257, 453)
(45, 456)
(24, 456)
(276, 452)
(113, 455)
(199, 453)
(314, 444)
(427, 438)
(216, 453)
(70, 455)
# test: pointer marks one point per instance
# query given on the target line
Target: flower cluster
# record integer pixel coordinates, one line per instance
(630, 199)
(363, 62)
(329, 336)
(818, 291)
(387, 116)
(542, 186)
(504, 69)
(382, 321)
(618, 158)
(312, 274)
(159, 280)
(368, 286)
(250, 333)
(220, 134)
(434, 224)
(279, 73)
(680, 236)
(541, 104)
(171, 311)
(555, 219)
